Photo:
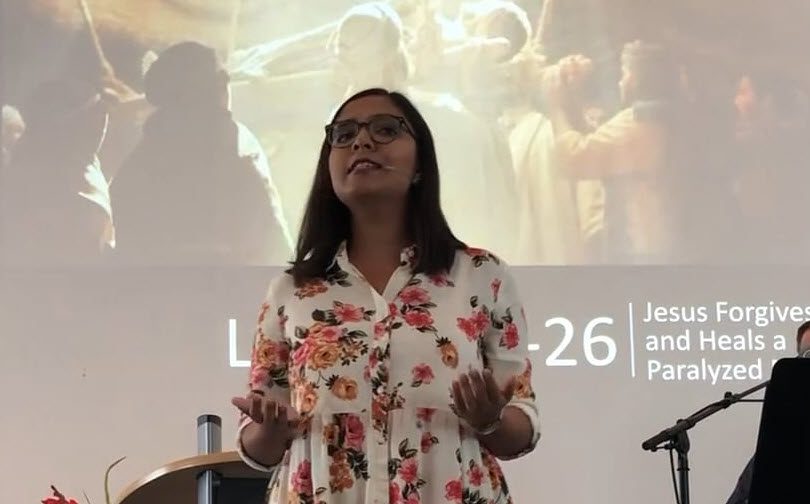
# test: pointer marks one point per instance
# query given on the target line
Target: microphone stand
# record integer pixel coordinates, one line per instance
(676, 437)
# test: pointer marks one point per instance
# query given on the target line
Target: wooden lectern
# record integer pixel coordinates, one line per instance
(176, 482)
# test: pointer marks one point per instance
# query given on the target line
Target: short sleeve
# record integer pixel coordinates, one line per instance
(505, 345)
(268, 364)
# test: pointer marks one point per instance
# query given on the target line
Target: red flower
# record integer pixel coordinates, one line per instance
(418, 319)
(379, 330)
(510, 338)
(311, 289)
(348, 313)
(439, 280)
(330, 333)
(302, 478)
(258, 377)
(496, 287)
(476, 475)
(468, 327)
(355, 432)
(378, 408)
(413, 498)
(301, 354)
(409, 470)
(422, 373)
(394, 495)
(426, 442)
(414, 295)
(481, 321)
(57, 498)
(392, 310)
(452, 490)
(425, 414)
(475, 252)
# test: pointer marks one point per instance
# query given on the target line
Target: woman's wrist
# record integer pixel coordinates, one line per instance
(491, 427)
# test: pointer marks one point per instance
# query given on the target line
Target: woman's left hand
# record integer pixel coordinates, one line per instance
(478, 400)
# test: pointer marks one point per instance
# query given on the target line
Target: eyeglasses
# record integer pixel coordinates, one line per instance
(383, 129)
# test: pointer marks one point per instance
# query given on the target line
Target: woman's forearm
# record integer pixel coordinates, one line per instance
(264, 449)
(513, 435)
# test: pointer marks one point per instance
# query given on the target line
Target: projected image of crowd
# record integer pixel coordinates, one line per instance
(568, 132)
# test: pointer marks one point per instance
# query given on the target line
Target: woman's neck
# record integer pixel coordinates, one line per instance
(378, 237)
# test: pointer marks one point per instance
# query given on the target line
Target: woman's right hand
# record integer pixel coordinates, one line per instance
(272, 420)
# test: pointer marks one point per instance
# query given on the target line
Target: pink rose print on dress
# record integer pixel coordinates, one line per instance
(425, 414)
(422, 375)
(475, 474)
(427, 442)
(418, 319)
(394, 493)
(302, 478)
(409, 470)
(496, 287)
(510, 338)
(414, 295)
(355, 432)
(348, 313)
(452, 490)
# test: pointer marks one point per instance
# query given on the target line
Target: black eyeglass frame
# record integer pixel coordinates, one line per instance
(365, 124)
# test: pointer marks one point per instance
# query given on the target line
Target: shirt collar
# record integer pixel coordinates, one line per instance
(407, 257)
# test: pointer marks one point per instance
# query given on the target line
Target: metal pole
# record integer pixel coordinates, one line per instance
(209, 440)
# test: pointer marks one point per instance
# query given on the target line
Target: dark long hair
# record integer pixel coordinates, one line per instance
(327, 221)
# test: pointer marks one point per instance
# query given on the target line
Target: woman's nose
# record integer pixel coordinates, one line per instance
(363, 140)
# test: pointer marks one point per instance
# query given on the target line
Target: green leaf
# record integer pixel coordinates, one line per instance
(474, 301)
(403, 447)
(319, 315)
(393, 467)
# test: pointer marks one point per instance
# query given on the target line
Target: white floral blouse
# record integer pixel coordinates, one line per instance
(371, 374)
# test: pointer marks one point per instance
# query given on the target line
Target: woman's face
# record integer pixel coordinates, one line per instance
(366, 169)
